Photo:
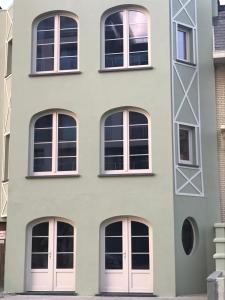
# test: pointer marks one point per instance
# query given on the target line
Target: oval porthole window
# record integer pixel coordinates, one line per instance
(188, 236)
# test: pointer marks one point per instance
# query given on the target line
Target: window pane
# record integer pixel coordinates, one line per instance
(40, 229)
(64, 229)
(67, 134)
(40, 244)
(113, 46)
(113, 244)
(64, 261)
(113, 262)
(113, 133)
(140, 244)
(42, 164)
(114, 60)
(66, 121)
(68, 63)
(65, 244)
(137, 17)
(45, 51)
(114, 163)
(39, 261)
(68, 49)
(42, 135)
(114, 229)
(140, 44)
(187, 237)
(115, 19)
(184, 144)
(46, 24)
(114, 148)
(66, 22)
(114, 32)
(43, 150)
(44, 122)
(139, 162)
(137, 118)
(182, 45)
(45, 37)
(140, 261)
(138, 229)
(69, 35)
(138, 30)
(139, 147)
(139, 132)
(67, 164)
(67, 149)
(114, 119)
(45, 64)
(138, 58)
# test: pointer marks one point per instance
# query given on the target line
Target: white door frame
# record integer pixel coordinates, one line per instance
(52, 243)
(126, 251)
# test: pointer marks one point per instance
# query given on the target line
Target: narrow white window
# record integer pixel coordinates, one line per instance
(56, 47)
(185, 44)
(187, 145)
(126, 39)
(126, 142)
(54, 144)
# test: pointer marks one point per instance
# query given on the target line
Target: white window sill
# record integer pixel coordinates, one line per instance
(54, 73)
(122, 69)
(52, 176)
(126, 174)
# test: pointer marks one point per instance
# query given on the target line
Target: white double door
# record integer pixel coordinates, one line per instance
(126, 257)
(51, 256)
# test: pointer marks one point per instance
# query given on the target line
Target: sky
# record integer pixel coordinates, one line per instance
(6, 3)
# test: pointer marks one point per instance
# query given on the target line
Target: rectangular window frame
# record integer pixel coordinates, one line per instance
(192, 142)
(189, 43)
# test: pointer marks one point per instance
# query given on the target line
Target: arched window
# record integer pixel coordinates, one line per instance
(56, 44)
(125, 38)
(126, 138)
(54, 144)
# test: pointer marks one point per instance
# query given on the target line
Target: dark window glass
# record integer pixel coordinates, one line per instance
(40, 244)
(113, 262)
(67, 149)
(139, 147)
(182, 44)
(113, 148)
(114, 119)
(138, 44)
(45, 37)
(114, 32)
(40, 229)
(67, 164)
(42, 135)
(113, 46)
(44, 122)
(43, 150)
(66, 121)
(138, 229)
(64, 261)
(113, 133)
(115, 19)
(140, 244)
(187, 237)
(45, 51)
(68, 49)
(65, 244)
(114, 60)
(184, 144)
(140, 261)
(114, 163)
(42, 164)
(67, 22)
(64, 229)
(139, 132)
(114, 229)
(68, 63)
(113, 244)
(68, 35)
(67, 134)
(46, 24)
(139, 162)
(137, 118)
(138, 58)
(46, 64)
(39, 261)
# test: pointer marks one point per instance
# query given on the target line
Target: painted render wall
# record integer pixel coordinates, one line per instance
(205, 210)
(89, 200)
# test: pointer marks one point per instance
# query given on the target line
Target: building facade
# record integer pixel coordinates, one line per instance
(111, 182)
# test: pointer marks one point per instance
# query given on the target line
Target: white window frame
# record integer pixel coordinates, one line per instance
(126, 152)
(192, 142)
(54, 145)
(56, 43)
(190, 44)
(126, 64)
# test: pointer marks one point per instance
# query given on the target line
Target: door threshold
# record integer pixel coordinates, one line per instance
(49, 293)
(126, 294)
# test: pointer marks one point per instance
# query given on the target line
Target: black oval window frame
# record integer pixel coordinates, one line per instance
(189, 249)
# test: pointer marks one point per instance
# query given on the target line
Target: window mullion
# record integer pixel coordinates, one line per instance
(55, 143)
(57, 43)
(126, 38)
(126, 140)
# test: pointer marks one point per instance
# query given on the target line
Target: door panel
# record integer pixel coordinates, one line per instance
(127, 251)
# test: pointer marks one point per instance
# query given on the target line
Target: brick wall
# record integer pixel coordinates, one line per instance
(220, 111)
